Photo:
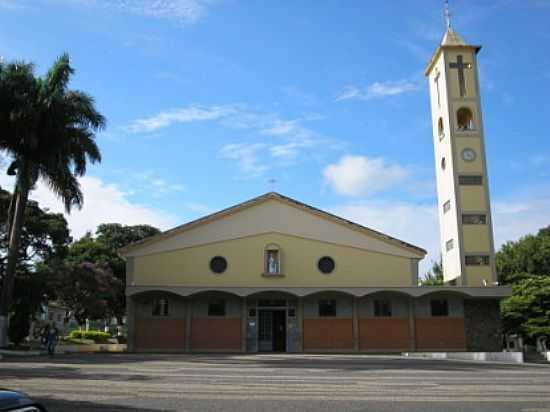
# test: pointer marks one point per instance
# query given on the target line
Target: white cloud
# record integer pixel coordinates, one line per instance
(350, 92)
(175, 116)
(289, 150)
(521, 214)
(413, 223)
(361, 175)
(103, 203)
(280, 127)
(247, 157)
(185, 11)
(378, 90)
(282, 139)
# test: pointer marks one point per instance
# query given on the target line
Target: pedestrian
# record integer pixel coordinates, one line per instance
(52, 339)
(44, 335)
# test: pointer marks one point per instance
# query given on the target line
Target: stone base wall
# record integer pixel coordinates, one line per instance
(483, 325)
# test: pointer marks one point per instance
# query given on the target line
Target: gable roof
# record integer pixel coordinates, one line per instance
(273, 196)
(451, 39)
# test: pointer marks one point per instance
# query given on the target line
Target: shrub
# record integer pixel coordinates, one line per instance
(20, 323)
(95, 335)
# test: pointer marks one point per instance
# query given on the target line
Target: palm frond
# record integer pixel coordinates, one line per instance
(58, 76)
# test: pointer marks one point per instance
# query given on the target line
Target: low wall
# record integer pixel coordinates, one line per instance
(510, 357)
(96, 347)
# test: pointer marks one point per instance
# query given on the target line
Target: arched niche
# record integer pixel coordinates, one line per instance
(465, 119)
(272, 259)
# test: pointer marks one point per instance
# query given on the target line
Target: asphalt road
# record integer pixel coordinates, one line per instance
(126, 382)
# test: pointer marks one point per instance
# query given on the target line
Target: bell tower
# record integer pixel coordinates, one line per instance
(466, 231)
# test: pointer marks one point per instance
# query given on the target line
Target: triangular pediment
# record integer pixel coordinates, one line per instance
(273, 213)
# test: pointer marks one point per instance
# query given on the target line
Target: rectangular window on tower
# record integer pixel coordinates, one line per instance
(476, 260)
(474, 219)
(446, 206)
(449, 245)
(470, 180)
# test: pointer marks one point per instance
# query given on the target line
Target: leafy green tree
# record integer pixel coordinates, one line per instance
(85, 288)
(525, 264)
(48, 131)
(434, 277)
(527, 311)
(103, 250)
(45, 237)
(31, 290)
(529, 255)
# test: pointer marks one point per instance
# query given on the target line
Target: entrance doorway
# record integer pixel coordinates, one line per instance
(272, 330)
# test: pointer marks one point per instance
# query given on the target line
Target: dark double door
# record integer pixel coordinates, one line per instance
(272, 333)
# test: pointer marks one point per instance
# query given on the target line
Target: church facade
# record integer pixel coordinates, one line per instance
(275, 274)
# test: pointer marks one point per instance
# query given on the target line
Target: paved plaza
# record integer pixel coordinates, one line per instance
(127, 382)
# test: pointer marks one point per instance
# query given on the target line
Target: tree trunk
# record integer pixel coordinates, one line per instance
(14, 238)
(11, 209)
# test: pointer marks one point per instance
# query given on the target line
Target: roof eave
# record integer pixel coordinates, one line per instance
(124, 251)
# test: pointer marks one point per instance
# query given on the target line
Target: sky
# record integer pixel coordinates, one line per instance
(212, 102)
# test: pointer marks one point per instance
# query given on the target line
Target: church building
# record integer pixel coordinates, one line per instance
(275, 274)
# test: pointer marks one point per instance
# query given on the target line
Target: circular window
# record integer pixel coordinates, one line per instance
(218, 264)
(326, 264)
(443, 163)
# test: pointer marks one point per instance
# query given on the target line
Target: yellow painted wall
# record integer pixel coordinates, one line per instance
(473, 197)
(469, 74)
(354, 267)
(476, 238)
(476, 274)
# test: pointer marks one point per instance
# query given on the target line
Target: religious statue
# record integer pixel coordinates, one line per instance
(272, 264)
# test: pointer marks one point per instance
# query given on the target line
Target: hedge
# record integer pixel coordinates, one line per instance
(95, 335)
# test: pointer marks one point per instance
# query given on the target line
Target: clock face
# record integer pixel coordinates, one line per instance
(469, 155)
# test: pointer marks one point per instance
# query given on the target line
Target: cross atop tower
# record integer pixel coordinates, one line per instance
(447, 14)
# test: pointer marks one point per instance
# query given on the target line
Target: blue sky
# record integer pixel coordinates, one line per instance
(207, 100)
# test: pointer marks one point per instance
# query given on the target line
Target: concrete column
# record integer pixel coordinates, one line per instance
(244, 323)
(412, 325)
(300, 323)
(131, 324)
(355, 325)
(188, 322)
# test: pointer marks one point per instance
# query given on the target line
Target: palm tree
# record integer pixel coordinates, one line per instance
(48, 131)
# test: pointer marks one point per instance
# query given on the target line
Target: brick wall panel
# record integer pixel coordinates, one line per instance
(440, 334)
(160, 335)
(328, 334)
(216, 334)
(384, 334)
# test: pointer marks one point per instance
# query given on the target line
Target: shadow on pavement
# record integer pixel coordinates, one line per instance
(61, 405)
(63, 366)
